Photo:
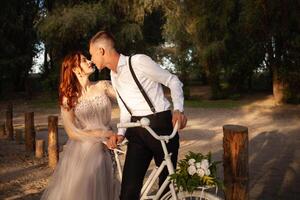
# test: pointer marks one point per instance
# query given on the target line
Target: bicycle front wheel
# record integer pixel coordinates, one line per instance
(196, 195)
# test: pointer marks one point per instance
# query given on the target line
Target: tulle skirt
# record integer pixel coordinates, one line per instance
(85, 172)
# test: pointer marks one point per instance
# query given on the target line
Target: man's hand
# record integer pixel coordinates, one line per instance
(114, 140)
(180, 117)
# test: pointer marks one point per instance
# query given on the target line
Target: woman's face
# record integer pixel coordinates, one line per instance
(86, 65)
(97, 56)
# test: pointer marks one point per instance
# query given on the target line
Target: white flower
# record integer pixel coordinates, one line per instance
(192, 170)
(207, 172)
(200, 172)
(204, 164)
(198, 165)
(192, 161)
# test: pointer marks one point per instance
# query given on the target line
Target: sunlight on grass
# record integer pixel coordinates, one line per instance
(213, 104)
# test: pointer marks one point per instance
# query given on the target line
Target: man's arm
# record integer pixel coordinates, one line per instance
(153, 71)
(180, 117)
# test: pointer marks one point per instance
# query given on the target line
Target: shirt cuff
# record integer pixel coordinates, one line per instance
(121, 131)
(180, 108)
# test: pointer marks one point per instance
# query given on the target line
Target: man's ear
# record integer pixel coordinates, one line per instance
(102, 51)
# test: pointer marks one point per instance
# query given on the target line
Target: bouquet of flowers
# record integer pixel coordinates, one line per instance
(196, 170)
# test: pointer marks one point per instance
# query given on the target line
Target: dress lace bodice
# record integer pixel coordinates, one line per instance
(92, 112)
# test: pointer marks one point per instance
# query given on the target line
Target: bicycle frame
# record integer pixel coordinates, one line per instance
(144, 122)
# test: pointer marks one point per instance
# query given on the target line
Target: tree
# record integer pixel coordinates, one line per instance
(274, 26)
(201, 24)
(234, 38)
(18, 39)
(69, 25)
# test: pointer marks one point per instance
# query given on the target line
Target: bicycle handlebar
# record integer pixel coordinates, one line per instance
(145, 123)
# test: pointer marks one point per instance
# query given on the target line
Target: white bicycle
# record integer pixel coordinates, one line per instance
(174, 193)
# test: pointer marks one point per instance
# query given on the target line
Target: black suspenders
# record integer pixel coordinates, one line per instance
(141, 90)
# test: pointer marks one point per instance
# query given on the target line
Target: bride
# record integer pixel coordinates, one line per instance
(85, 169)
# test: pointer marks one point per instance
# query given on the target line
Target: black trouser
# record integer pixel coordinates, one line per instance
(142, 147)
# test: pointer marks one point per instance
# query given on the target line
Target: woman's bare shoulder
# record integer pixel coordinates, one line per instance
(102, 84)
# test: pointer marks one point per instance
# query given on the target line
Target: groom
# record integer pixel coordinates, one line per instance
(137, 81)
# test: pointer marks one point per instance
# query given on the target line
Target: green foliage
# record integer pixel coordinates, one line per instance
(187, 179)
(17, 43)
(202, 26)
(70, 27)
(45, 102)
(274, 27)
(236, 43)
(235, 39)
(152, 27)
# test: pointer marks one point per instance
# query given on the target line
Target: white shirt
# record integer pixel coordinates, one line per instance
(150, 76)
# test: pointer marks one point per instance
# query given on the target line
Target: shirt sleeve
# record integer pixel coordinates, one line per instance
(153, 71)
(125, 117)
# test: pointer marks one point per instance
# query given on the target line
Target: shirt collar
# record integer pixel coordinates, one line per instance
(121, 63)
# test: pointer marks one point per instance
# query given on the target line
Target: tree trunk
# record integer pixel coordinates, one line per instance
(249, 82)
(204, 78)
(186, 88)
(9, 122)
(19, 136)
(39, 149)
(53, 141)
(213, 79)
(278, 86)
(214, 83)
(28, 86)
(235, 161)
(2, 131)
(46, 63)
(29, 132)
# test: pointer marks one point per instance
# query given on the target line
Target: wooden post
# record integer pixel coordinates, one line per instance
(29, 132)
(53, 141)
(235, 161)
(2, 131)
(39, 148)
(9, 122)
(19, 136)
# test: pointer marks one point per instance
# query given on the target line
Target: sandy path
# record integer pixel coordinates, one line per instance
(274, 153)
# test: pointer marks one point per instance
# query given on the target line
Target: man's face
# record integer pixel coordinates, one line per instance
(97, 56)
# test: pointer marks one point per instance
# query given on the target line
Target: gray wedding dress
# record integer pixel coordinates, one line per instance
(85, 169)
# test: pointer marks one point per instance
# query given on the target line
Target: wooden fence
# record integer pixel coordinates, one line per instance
(31, 144)
(235, 145)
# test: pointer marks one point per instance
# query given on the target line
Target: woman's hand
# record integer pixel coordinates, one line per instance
(114, 140)
(109, 133)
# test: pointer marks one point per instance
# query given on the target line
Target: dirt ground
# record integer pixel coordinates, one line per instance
(274, 152)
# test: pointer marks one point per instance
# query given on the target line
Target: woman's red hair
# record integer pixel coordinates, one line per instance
(69, 87)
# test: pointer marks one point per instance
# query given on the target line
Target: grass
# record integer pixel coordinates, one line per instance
(44, 102)
(213, 104)
(51, 102)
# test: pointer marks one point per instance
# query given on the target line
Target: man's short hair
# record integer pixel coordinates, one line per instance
(103, 36)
